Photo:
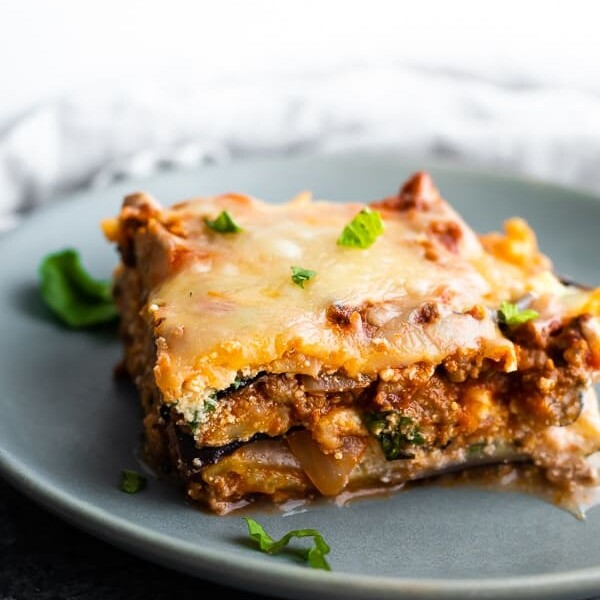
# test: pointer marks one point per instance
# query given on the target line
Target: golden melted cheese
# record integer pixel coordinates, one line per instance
(232, 308)
(225, 305)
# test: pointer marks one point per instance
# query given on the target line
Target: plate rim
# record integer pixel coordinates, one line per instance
(287, 577)
(290, 577)
(427, 164)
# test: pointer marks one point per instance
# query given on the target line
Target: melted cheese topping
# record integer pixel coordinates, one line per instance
(222, 306)
(232, 307)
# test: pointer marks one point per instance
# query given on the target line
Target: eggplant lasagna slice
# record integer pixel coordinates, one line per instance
(275, 361)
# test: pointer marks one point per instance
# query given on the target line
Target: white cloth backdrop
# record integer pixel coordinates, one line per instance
(546, 130)
(511, 85)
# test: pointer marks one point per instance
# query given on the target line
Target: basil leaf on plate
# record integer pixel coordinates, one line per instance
(131, 482)
(72, 293)
(314, 556)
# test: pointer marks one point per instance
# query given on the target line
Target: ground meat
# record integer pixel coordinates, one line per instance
(417, 193)
(447, 233)
(340, 314)
(271, 405)
(351, 317)
(552, 373)
(426, 313)
(432, 405)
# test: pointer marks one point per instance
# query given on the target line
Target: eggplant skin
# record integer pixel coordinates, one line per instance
(192, 459)
(565, 280)
(501, 454)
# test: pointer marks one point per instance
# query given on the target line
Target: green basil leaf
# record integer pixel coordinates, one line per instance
(72, 294)
(396, 433)
(300, 276)
(200, 415)
(131, 481)
(314, 556)
(224, 223)
(363, 230)
(511, 314)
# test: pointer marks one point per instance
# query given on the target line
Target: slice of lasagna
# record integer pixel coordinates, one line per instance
(317, 348)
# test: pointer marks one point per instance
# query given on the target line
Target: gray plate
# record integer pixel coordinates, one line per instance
(67, 428)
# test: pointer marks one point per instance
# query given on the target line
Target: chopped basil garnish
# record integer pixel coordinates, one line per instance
(72, 294)
(300, 276)
(396, 433)
(511, 314)
(196, 421)
(476, 449)
(363, 230)
(314, 556)
(238, 382)
(224, 223)
(131, 481)
(210, 404)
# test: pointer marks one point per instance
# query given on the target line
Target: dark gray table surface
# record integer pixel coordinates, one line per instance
(44, 558)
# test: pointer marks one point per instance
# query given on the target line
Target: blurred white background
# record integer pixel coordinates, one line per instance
(97, 90)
